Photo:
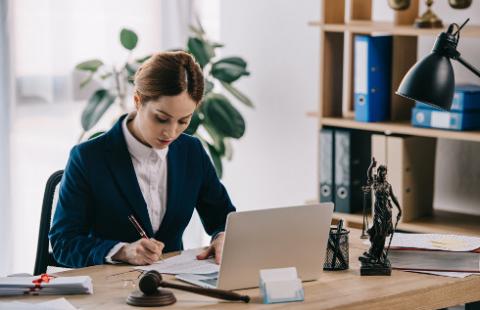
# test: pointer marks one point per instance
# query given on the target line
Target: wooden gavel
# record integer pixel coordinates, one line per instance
(150, 282)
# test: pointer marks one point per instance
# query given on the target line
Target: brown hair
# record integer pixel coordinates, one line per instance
(169, 74)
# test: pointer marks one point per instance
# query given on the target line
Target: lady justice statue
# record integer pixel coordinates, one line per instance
(375, 261)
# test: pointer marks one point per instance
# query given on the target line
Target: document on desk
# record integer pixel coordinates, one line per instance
(460, 275)
(185, 263)
(55, 286)
(55, 304)
(454, 243)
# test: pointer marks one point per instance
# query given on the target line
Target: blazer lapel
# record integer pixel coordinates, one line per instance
(121, 167)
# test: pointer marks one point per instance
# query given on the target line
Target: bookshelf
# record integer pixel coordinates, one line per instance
(338, 27)
(368, 27)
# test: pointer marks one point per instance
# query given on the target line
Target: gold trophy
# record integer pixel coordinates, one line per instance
(399, 5)
(459, 4)
(429, 19)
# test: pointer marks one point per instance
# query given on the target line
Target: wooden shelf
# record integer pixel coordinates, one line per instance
(367, 27)
(405, 128)
(440, 222)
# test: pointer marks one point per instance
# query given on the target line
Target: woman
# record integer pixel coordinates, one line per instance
(146, 167)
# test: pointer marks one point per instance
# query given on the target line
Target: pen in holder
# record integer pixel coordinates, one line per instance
(337, 248)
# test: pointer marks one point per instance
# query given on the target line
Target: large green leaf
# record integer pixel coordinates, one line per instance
(228, 70)
(91, 65)
(86, 81)
(234, 60)
(222, 116)
(217, 138)
(228, 149)
(97, 105)
(194, 123)
(208, 87)
(128, 38)
(201, 50)
(131, 69)
(238, 94)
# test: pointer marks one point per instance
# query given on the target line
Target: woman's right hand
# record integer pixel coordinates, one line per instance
(141, 252)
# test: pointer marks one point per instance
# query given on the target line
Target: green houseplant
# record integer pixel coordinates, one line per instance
(215, 122)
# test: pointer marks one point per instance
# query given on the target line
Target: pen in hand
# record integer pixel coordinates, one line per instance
(139, 229)
(137, 226)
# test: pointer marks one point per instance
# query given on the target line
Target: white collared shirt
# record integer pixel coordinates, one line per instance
(150, 167)
(151, 170)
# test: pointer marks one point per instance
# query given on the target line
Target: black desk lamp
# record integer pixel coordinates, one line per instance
(431, 80)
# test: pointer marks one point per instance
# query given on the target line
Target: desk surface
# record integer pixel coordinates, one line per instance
(334, 290)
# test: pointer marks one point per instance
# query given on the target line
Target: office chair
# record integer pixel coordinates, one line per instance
(44, 257)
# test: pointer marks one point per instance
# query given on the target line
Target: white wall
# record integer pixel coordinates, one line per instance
(274, 164)
(5, 92)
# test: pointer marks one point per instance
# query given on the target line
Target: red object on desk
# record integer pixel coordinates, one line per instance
(44, 278)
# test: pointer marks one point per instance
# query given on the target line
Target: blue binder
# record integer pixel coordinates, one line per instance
(445, 120)
(352, 157)
(326, 165)
(372, 77)
(466, 98)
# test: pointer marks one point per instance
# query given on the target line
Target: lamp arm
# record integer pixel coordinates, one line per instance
(468, 65)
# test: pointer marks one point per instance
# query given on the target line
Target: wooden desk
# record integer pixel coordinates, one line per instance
(334, 290)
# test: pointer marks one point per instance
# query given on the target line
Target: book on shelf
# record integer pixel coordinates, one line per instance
(464, 113)
(372, 77)
(352, 155)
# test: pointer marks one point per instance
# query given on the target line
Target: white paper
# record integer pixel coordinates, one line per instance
(55, 304)
(454, 243)
(185, 263)
(444, 274)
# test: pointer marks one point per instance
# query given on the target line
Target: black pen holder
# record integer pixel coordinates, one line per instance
(337, 250)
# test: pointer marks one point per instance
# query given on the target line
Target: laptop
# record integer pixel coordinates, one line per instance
(270, 238)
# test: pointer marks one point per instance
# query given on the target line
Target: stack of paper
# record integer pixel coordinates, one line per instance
(58, 285)
(438, 254)
(185, 263)
(455, 243)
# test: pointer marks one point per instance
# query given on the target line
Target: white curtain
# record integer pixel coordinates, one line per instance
(5, 101)
(49, 38)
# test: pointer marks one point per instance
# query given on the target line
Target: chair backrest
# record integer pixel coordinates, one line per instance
(44, 257)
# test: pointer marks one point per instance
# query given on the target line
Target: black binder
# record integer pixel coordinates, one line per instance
(326, 165)
(352, 157)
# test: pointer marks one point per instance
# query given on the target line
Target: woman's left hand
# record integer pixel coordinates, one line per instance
(215, 249)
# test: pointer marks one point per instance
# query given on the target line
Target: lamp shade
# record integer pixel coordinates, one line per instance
(430, 80)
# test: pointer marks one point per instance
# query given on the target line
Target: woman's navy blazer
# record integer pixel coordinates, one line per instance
(99, 190)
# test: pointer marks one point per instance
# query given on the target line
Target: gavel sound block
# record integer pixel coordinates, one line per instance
(151, 295)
